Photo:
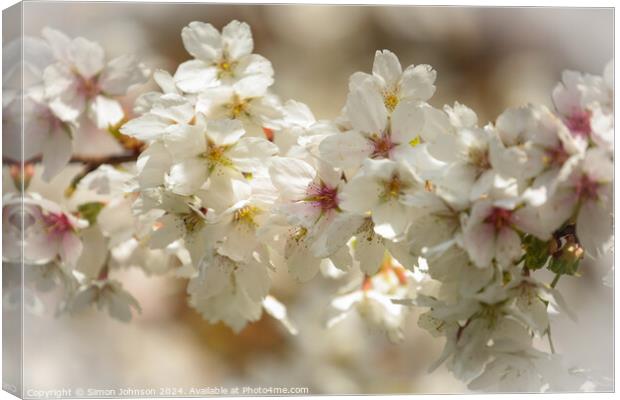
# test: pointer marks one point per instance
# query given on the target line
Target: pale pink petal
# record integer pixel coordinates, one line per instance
(70, 248)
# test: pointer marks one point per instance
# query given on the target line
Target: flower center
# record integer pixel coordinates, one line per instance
(246, 215)
(393, 188)
(237, 107)
(587, 188)
(216, 155)
(88, 88)
(579, 123)
(390, 100)
(225, 68)
(382, 145)
(299, 234)
(479, 157)
(556, 156)
(57, 224)
(323, 196)
(499, 218)
(191, 221)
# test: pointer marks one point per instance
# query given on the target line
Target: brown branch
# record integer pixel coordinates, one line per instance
(90, 164)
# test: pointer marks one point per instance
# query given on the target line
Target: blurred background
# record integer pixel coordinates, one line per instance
(486, 58)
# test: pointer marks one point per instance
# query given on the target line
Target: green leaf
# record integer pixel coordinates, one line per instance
(90, 211)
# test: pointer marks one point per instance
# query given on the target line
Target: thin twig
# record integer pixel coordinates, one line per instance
(555, 280)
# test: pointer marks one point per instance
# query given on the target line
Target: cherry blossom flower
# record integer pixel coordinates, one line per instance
(373, 300)
(50, 232)
(47, 134)
(217, 147)
(585, 101)
(105, 294)
(381, 188)
(228, 291)
(375, 134)
(81, 80)
(251, 104)
(395, 85)
(309, 201)
(221, 58)
(586, 195)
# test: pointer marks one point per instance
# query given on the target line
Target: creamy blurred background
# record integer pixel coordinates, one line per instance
(486, 58)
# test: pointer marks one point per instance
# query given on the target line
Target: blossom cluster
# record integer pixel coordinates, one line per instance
(414, 205)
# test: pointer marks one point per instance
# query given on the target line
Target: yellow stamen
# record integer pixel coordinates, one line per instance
(415, 141)
(246, 215)
(391, 101)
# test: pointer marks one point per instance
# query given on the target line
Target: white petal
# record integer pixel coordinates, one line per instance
(146, 127)
(58, 80)
(170, 229)
(58, 41)
(188, 176)
(302, 265)
(106, 112)
(86, 56)
(418, 82)
(173, 107)
(254, 279)
(407, 122)
(391, 219)
(237, 38)
(369, 252)
(507, 247)
(479, 241)
(225, 132)
(202, 41)
(594, 225)
(366, 110)
(120, 74)
(345, 150)
(336, 235)
(195, 76)
(387, 66)
(165, 81)
(57, 149)
(249, 153)
(253, 85)
(360, 195)
(184, 141)
(291, 176)
(93, 256)
(70, 248)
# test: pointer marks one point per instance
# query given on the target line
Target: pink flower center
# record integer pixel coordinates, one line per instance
(579, 123)
(382, 145)
(88, 88)
(323, 196)
(499, 218)
(57, 224)
(556, 156)
(587, 188)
